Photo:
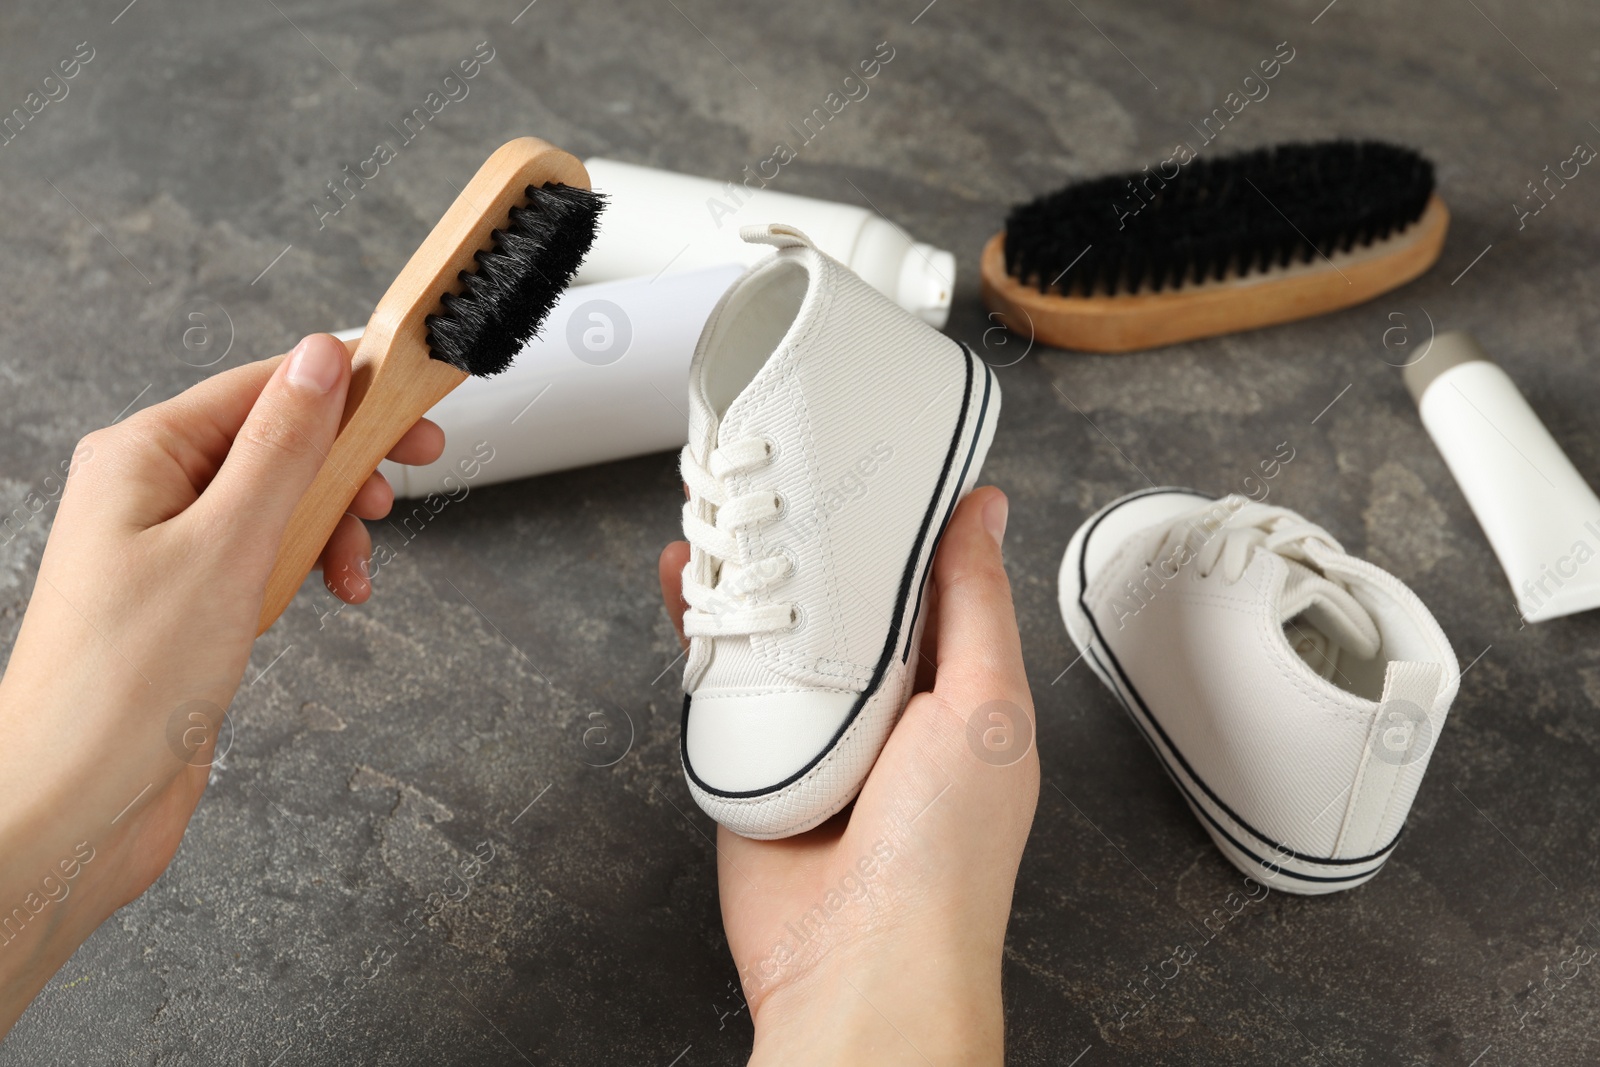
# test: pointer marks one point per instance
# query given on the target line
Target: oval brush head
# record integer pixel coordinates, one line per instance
(1150, 258)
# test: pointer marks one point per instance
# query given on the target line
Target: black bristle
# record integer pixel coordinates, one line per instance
(1253, 211)
(505, 300)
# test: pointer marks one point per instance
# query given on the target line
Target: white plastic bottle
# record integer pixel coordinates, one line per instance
(658, 222)
(1540, 516)
(604, 380)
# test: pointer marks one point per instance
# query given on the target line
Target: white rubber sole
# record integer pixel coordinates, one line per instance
(1269, 862)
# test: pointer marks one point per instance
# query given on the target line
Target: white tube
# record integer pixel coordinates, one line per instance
(656, 221)
(1540, 516)
(605, 379)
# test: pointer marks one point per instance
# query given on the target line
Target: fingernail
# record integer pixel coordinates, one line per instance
(314, 364)
(995, 513)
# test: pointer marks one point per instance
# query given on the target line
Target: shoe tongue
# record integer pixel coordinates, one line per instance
(1312, 601)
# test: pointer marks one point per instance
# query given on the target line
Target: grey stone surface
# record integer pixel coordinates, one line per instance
(379, 750)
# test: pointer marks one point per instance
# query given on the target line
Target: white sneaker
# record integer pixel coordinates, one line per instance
(1292, 692)
(830, 436)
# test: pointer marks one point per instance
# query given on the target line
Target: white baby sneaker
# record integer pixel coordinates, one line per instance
(1292, 692)
(830, 436)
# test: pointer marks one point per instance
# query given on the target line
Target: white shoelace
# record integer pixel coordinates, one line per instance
(1337, 620)
(723, 589)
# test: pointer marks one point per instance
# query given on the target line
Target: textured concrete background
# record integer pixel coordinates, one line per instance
(374, 754)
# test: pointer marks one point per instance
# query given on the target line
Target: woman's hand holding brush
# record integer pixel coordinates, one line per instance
(139, 629)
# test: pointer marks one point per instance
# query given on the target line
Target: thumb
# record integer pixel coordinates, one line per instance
(979, 650)
(670, 571)
(979, 716)
(282, 443)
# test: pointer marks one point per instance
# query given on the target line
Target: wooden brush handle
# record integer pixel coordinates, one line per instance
(395, 380)
(392, 399)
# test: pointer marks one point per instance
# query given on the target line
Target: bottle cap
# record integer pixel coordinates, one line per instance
(927, 282)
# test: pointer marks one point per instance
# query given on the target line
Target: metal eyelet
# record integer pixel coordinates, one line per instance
(789, 558)
(781, 503)
(798, 616)
(772, 446)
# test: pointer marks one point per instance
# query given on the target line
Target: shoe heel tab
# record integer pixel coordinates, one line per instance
(1402, 734)
(778, 235)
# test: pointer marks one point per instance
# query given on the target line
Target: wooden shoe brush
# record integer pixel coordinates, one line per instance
(1140, 260)
(478, 287)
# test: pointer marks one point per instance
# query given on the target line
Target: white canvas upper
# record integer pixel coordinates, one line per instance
(1293, 692)
(830, 435)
